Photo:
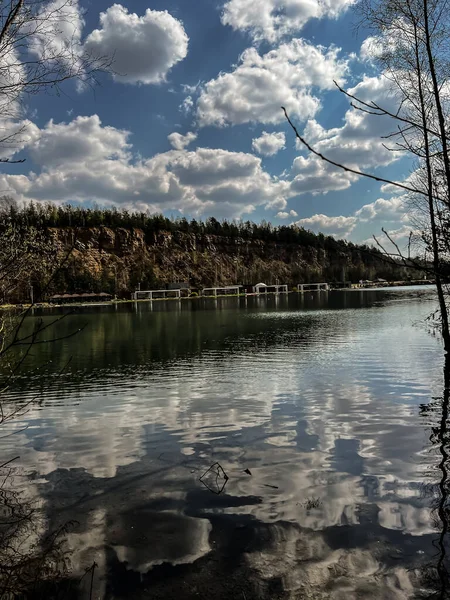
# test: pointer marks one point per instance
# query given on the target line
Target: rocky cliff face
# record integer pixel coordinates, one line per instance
(117, 260)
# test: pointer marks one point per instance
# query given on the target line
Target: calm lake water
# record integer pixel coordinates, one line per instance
(324, 411)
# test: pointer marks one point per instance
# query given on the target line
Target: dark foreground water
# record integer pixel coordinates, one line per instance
(323, 411)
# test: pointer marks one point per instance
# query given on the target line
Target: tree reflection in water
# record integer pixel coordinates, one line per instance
(437, 575)
(33, 563)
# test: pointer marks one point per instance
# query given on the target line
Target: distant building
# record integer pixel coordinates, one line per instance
(260, 287)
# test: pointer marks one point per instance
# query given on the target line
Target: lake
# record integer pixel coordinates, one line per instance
(320, 417)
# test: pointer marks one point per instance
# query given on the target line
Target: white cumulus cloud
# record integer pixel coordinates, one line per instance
(371, 48)
(260, 84)
(269, 144)
(179, 141)
(145, 48)
(272, 19)
(315, 176)
(82, 140)
(402, 233)
(394, 214)
(383, 210)
(57, 30)
(339, 226)
(357, 143)
(86, 161)
(285, 215)
(187, 105)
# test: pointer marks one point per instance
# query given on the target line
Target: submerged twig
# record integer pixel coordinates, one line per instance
(218, 472)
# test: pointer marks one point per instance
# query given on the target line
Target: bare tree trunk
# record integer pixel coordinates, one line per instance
(442, 509)
(437, 97)
(430, 186)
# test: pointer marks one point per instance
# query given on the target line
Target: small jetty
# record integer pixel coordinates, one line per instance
(262, 288)
(183, 291)
(313, 287)
(222, 291)
(156, 294)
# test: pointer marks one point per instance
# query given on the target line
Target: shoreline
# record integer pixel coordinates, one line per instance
(355, 288)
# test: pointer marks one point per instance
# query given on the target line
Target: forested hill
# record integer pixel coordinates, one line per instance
(114, 251)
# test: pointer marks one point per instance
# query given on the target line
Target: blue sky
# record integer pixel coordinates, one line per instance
(191, 123)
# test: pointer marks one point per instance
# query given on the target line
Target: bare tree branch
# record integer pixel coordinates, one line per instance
(397, 184)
